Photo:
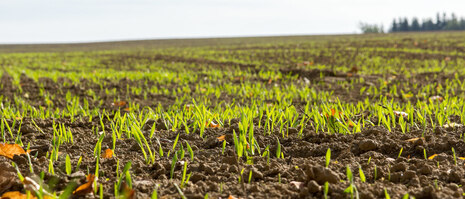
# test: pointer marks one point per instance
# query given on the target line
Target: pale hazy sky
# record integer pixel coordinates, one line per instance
(44, 21)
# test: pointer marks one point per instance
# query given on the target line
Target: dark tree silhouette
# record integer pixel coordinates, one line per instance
(394, 27)
(415, 25)
(441, 23)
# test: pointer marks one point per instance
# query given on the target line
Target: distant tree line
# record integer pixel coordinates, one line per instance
(442, 22)
(371, 28)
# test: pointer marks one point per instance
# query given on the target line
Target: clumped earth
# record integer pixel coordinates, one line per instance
(302, 172)
(419, 163)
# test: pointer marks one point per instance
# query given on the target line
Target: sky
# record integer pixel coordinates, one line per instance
(63, 21)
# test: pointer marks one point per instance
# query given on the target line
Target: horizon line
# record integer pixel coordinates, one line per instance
(173, 38)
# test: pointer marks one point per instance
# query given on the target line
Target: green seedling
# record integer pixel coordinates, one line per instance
(278, 150)
(183, 180)
(68, 165)
(173, 164)
(154, 194)
(191, 152)
(328, 157)
(406, 196)
(386, 195)
(250, 176)
(362, 175)
(224, 146)
(326, 190)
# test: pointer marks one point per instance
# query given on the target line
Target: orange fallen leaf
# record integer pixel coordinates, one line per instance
(432, 157)
(19, 195)
(87, 187)
(221, 138)
(333, 112)
(119, 103)
(233, 197)
(108, 154)
(212, 125)
(16, 195)
(351, 124)
(10, 150)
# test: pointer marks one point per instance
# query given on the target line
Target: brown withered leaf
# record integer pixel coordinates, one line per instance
(8, 176)
(127, 192)
(354, 69)
(412, 139)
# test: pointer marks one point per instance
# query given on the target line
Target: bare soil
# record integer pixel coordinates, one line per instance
(301, 174)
